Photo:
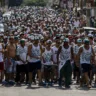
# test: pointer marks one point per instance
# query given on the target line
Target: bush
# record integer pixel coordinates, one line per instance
(35, 2)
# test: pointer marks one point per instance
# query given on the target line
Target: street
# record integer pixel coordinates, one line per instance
(50, 91)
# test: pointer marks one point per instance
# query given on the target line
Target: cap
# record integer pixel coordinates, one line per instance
(36, 38)
(22, 40)
(32, 37)
(5, 37)
(49, 42)
(16, 38)
(62, 37)
(86, 40)
(66, 40)
(79, 41)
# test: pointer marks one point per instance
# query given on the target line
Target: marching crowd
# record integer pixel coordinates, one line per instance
(41, 45)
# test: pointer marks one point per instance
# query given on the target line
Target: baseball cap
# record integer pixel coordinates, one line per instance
(86, 40)
(22, 40)
(49, 42)
(66, 40)
(16, 38)
(79, 40)
(36, 38)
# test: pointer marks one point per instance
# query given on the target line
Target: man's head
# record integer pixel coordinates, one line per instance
(57, 42)
(36, 39)
(86, 42)
(79, 41)
(22, 42)
(21, 35)
(48, 43)
(5, 39)
(66, 42)
(16, 39)
(90, 36)
(11, 39)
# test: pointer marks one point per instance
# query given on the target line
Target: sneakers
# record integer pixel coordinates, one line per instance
(4, 82)
(95, 81)
(89, 86)
(40, 84)
(29, 84)
(11, 82)
(67, 87)
(50, 84)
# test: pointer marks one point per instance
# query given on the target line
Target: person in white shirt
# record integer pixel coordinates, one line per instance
(77, 23)
(94, 67)
(34, 62)
(64, 57)
(76, 68)
(86, 58)
(22, 66)
(48, 62)
(54, 56)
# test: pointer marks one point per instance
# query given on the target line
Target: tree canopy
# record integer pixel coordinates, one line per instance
(35, 2)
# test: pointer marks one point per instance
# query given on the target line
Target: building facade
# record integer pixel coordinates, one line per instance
(78, 3)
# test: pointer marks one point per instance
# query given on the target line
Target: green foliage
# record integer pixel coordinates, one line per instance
(35, 2)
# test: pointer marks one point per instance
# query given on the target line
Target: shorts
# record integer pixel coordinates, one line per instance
(77, 69)
(22, 68)
(10, 67)
(86, 67)
(1, 66)
(34, 66)
(48, 68)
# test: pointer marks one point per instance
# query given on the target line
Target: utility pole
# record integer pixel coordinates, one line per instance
(81, 4)
(74, 2)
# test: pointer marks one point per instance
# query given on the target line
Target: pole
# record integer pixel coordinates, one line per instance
(81, 4)
(73, 3)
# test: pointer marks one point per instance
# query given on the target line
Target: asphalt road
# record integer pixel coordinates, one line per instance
(47, 91)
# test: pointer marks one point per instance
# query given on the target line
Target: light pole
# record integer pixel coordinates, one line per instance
(74, 2)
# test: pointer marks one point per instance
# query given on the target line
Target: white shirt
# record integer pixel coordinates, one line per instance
(47, 56)
(85, 57)
(65, 54)
(76, 23)
(36, 51)
(22, 52)
(54, 53)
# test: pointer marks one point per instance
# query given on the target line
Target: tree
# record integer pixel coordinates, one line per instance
(35, 2)
(15, 2)
(2, 2)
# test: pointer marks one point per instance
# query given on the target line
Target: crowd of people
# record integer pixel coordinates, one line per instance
(43, 46)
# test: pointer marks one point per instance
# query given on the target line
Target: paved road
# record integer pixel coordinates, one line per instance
(51, 91)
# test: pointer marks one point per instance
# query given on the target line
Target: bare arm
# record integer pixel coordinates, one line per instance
(2, 51)
(7, 52)
(29, 50)
(78, 56)
(72, 54)
(59, 50)
(41, 51)
(93, 61)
